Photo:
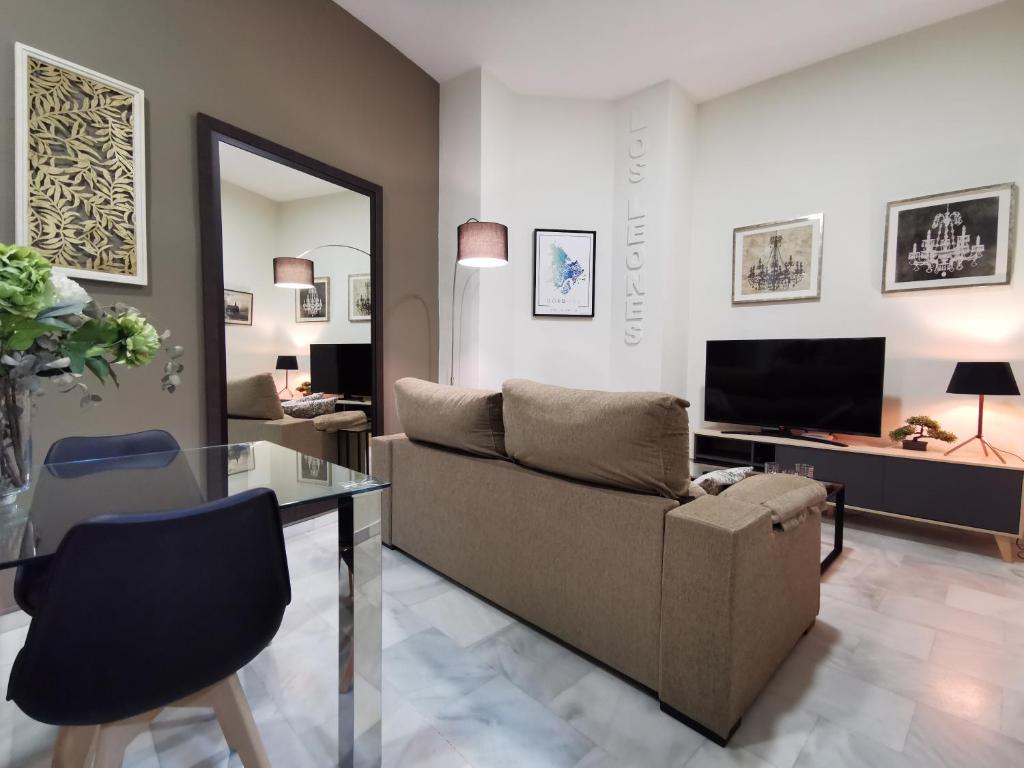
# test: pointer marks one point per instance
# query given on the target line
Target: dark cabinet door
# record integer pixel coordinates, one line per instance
(862, 472)
(979, 497)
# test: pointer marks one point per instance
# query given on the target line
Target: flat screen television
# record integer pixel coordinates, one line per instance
(344, 369)
(815, 385)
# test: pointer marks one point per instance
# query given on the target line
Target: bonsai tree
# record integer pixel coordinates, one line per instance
(921, 427)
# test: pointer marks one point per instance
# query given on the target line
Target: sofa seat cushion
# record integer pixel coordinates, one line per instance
(254, 397)
(465, 419)
(634, 441)
(340, 421)
(787, 497)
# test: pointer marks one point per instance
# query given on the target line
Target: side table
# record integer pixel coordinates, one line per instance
(836, 495)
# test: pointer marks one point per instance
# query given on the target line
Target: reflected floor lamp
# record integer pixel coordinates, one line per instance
(982, 379)
(481, 244)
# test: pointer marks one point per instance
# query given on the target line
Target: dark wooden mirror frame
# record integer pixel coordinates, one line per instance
(210, 133)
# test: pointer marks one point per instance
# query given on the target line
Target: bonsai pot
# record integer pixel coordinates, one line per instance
(915, 445)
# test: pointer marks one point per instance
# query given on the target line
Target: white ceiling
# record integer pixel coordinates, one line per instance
(610, 48)
(269, 179)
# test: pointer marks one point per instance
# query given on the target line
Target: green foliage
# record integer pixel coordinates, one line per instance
(49, 325)
(921, 427)
(24, 281)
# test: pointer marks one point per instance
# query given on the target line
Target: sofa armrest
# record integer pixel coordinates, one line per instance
(737, 594)
(382, 467)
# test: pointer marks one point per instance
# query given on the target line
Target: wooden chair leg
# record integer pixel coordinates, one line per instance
(73, 747)
(114, 738)
(236, 720)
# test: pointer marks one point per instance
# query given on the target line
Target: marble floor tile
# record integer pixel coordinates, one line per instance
(598, 758)
(774, 731)
(866, 624)
(463, 617)
(408, 739)
(498, 726)
(398, 622)
(838, 696)
(985, 604)
(1012, 715)
(411, 583)
(625, 722)
(829, 745)
(535, 663)
(938, 616)
(429, 669)
(940, 739)
(712, 756)
(945, 688)
(1001, 665)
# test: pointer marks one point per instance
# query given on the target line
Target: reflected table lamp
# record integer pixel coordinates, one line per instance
(287, 363)
(982, 379)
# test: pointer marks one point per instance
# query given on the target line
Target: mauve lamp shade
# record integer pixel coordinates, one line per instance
(287, 363)
(291, 272)
(483, 244)
(983, 379)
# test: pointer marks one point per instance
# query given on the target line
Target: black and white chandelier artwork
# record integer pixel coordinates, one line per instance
(947, 251)
(775, 274)
(312, 304)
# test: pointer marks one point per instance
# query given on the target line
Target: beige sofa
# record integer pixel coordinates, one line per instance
(254, 413)
(574, 510)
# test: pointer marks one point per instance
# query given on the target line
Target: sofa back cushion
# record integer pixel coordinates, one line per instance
(254, 397)
(636, 441)
(456, 417)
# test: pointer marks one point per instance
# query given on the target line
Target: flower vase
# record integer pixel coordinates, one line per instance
(16, 436)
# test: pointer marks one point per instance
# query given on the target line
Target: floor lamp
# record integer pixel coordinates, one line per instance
(481, 244)
(982, 379)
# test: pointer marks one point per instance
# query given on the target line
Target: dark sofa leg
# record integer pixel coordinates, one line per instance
(694, 725)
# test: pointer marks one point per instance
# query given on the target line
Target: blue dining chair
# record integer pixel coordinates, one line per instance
(141, 612)
(29, 579)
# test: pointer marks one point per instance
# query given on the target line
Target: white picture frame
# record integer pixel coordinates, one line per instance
(360, 298)
(778, 261)
(950, 240)
(22, 165)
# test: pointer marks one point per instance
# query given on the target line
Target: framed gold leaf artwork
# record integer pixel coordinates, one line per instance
(80, 166)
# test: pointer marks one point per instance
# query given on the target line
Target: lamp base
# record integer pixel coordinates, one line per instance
(985, 447)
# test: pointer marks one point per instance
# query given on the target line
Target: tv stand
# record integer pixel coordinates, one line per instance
(959, 491)
(787, 433)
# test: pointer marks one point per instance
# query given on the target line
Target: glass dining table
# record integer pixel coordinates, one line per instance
(317, 686)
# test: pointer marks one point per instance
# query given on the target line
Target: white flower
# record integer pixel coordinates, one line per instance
(67, 292)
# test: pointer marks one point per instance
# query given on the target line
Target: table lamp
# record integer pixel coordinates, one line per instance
(982, 379)
(287, 363)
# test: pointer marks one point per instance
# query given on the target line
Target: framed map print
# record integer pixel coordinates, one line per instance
(80, 164)
(563, 272)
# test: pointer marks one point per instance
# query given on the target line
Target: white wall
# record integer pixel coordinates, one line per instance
(932, 111)
(256, 230)
(935, 110)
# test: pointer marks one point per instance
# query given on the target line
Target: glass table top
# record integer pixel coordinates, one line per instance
(61, 495)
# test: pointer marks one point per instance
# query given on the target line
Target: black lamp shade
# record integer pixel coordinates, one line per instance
(483, 244)
(291, 272)
(983, 379)
(287, 363)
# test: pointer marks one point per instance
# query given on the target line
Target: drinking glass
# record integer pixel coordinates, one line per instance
(772, 468)
(805, 470)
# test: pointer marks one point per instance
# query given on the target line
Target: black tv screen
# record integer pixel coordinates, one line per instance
(341, 369)
(822, 385)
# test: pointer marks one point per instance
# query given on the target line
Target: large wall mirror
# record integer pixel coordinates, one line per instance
(291, 251)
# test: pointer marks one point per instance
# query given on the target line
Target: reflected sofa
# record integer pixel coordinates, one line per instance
(254, 413)
(574, 511)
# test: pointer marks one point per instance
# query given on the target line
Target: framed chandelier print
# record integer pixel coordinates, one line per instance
(80, 164)
(951, 240)
(359, 298)
(563, 272)
(777, 261)
(313, 305)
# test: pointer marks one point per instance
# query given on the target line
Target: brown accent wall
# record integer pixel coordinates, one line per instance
(303, 73)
